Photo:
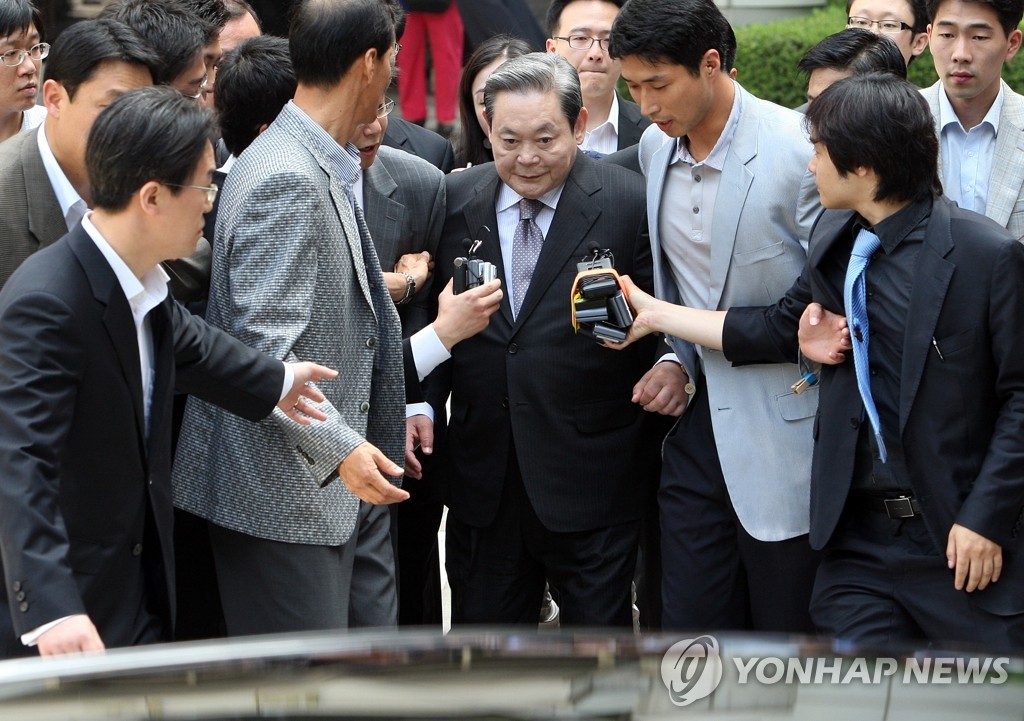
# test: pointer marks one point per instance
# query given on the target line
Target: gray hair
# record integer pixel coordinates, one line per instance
(537, 72)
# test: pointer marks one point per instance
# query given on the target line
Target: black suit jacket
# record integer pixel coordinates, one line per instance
(631, 123)
(85, 503)
(961, 414)
(420, 142)
(561, 400)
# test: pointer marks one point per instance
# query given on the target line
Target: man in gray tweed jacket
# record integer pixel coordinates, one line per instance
(295, 275)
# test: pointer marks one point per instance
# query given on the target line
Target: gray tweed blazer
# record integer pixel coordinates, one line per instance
(295, 276)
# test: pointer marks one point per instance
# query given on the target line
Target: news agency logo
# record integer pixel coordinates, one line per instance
(691, 669)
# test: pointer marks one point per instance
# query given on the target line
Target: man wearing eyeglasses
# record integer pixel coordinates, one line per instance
(21, 55)
(978, 117)
(903, 21)
(579, 32)
(47, 192)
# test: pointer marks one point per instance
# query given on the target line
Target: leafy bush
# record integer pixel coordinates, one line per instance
(767, 55)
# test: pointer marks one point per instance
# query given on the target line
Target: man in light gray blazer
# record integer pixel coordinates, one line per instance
(730, 208)
(978, 118)
(295, 274)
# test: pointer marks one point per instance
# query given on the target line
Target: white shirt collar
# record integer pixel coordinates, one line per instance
(613, 116)
(143, 295)
(508, 197)
(66, 194)
(947, 116)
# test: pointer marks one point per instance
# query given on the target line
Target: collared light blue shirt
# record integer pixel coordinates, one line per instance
(967, 155)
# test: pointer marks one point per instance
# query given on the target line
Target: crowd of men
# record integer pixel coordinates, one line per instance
(760, 466)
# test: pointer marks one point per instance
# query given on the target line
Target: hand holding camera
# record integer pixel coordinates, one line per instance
(600, 306)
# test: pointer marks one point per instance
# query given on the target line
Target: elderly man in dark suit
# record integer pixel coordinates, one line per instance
(295, 274)
(93, 348)
(543, 432)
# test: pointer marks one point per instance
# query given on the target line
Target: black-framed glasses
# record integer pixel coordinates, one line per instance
(14, 58)
(210, 190)
(385, 108)
(584, 42)
(889, 27)
(398, 48)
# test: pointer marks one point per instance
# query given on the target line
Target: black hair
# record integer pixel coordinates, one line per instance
(917, 7)
(470, 146)
(16, 16)
(857, 51)
(679, 32)
(554, 15)
(254, 82)
(881, 122)
(326, 37)
(213, 12)
(84, 46)
(239, 8)
(174, 31)
(174, 131)
(1009, 12)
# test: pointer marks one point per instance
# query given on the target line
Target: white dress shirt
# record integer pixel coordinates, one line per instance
(967, 155)
(71, 204)
(604, 139)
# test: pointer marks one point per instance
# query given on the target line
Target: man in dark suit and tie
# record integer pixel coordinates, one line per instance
(93, 348)
(917, 482)
(543, 433)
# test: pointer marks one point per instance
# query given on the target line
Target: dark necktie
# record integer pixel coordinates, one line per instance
(855, 297)
(526, 243)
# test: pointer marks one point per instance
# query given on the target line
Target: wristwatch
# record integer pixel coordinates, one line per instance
(410, 288)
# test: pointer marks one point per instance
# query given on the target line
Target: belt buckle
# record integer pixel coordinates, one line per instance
(899, 507)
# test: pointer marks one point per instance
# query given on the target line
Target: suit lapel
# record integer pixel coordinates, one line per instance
(1007, 177)
(734, 185)
(45, 219)
(117, 318)
(480, 213)
(384, 216)
(575, 215)
(931, 281)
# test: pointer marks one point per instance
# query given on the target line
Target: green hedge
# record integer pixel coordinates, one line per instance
(767, 55)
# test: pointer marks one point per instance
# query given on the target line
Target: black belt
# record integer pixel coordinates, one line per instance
(896, 507)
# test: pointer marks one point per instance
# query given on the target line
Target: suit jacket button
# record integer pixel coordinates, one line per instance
(854, 423)
(17, 585)
(20, 596)
(23, 606)
(371, 342)
(513, 348)
(364, 407)
(137, 549)
(504, 402)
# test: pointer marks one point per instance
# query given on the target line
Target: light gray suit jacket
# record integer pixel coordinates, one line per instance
(294, 277)
(404, 202)
(1005, 203)
(30, 216)
(764, 210)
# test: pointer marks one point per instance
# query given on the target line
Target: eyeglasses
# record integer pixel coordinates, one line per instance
(584, 42)
(385, 108)
(889, 27)
(398, 48)
(202, 87)
(14, 58)
(211, 191)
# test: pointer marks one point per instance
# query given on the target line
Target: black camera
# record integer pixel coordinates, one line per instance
(600, 308)
(470, 272)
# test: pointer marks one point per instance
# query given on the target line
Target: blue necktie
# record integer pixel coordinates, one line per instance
(855, 297)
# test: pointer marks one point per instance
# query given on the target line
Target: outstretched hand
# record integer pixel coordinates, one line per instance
(298, 404)
(824, 335)
(643, 305)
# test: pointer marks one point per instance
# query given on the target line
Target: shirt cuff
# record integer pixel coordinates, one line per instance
(419, 409)
(32, 637)
(289, 379)
(428, 352)
(669, 357)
